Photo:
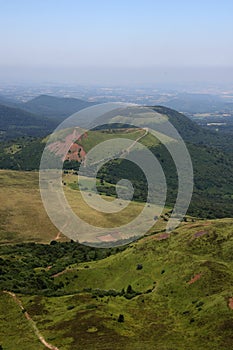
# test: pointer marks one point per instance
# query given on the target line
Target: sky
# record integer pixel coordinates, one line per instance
(104, 41)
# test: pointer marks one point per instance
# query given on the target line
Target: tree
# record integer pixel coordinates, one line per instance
(129, 289)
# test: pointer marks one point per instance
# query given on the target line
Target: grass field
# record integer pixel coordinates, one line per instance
(22, 215)
(23, 218)
(97, 218)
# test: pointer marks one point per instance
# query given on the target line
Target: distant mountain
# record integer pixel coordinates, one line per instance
(15, 122)
(37, 117)
(8, 102)
(196, 103)
(53, 107)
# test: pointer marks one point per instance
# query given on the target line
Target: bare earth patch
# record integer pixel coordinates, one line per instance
(230, 303)
(195, 278)
(162, 236)
(200, 233)
(111, 237)
(76, 152)
(63, 272)
(199, 225)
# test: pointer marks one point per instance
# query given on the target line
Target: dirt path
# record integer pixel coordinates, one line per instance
(64, 271)
(124, 152)
(134, 143)
(58, 236)
(32, 323)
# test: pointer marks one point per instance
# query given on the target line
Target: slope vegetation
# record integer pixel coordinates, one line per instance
(162, 292)
(15, 122)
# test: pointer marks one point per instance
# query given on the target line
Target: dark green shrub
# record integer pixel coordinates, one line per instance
(139, 267)
(70, 307)
(121, 318)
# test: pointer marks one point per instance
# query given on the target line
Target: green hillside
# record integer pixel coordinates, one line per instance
(15, 331)
(172, 292)
(189, 130)
(212, 195)
(15, 123)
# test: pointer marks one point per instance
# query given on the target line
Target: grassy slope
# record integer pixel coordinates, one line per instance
(22, 215)
(214, 190)
(169, 314)
(15, 331)
(96, 137)
(97, 218)
(209, 164)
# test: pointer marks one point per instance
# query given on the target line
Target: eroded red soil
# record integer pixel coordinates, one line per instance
(69, 149)
(200, 233)
(230, 303)
(195, 278)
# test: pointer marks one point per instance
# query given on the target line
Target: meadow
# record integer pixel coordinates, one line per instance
(24, 219)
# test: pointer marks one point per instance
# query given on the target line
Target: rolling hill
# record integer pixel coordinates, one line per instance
(57, 108)
(36, 117)
(15, 123)
(8, 102)
(189, 130)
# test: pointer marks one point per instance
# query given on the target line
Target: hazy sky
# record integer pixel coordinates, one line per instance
(109, 41)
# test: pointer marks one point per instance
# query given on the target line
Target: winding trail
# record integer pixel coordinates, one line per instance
(64, 271)
(123, 153)
(134, 143)
(32, 323)
(58, 236)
